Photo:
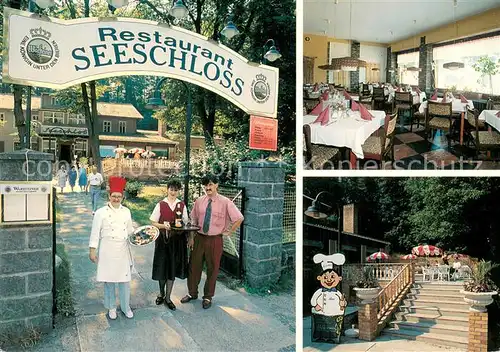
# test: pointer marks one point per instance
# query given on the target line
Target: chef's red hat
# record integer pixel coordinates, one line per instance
(116, 184)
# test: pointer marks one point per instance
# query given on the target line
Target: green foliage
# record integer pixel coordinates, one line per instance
(486, 66)
(223, 160)
(481, 278)
(363, 277)
(455, 214)
(64, 299)
(133, 188)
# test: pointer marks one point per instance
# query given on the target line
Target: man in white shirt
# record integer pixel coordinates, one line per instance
(95, 181)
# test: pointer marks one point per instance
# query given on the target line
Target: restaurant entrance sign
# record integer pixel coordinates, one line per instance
(54, 53)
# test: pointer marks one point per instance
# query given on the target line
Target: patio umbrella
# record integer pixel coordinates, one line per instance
(148, 153)
(377, 255)
(136, 150)
(409, 257)
(457, 256)
(426, 250)
(119, 150)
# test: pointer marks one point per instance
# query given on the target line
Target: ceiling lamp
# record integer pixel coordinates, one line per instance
(453, 65)
(375, 69)
(348, 63)
(413, 69)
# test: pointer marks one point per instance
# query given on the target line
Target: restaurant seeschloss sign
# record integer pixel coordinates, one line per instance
(53, 53)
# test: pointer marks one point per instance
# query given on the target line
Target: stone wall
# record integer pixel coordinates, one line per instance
(264, 184)
(425, 63)
(392, 64)
(355, 52)
(26, 256)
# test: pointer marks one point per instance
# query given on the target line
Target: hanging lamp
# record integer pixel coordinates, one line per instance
(348, 63)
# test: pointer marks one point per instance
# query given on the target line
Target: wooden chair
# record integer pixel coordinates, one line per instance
(438, 117)
(379, 98)
(485, 141)
(403, 101)
(381, 143)
(317, 154)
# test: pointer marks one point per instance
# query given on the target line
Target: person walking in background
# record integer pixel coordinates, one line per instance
(72, 177)
(216, 216)
(170, 258)
(111, 227)
(95, 182)
(62, 177)
(82, 178)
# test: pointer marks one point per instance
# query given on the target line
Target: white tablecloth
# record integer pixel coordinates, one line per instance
(457, 106)
(489, 116)
(351, 132)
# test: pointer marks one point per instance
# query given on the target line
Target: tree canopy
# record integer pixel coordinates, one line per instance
(455, 214)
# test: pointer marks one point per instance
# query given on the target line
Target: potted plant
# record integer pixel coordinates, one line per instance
(479, 290)
(367, 287)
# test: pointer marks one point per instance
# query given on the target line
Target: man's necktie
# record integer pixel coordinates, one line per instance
(208, 215)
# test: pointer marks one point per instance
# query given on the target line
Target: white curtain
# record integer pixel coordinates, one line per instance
(408, 60)
(468, 53)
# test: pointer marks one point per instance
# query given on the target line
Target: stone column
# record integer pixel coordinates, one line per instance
(478, 332)
(26, 255)
(355, 52)
(368, 321)
(392, 63)
(264, 184)
(425, 64)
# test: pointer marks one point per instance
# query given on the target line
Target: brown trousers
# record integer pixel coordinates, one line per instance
(208, 248)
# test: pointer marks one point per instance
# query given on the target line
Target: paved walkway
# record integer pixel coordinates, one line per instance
(381, 344)
(235, 322)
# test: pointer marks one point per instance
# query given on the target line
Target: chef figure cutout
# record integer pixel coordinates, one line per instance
(328, 300)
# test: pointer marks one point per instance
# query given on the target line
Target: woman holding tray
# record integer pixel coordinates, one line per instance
(170, 257)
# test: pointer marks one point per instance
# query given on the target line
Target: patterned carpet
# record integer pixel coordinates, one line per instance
(412, 151)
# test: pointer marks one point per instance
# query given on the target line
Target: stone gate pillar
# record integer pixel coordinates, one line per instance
(264, 184)
(26, 252)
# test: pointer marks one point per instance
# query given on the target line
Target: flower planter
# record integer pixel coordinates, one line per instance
(367, 295)
(478, 300)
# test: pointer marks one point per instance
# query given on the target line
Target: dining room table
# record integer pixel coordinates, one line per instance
(491, 118)
(347, 130)
(458, 108)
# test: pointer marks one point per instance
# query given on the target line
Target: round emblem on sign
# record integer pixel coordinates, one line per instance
(260, 89)
(38, 50)
(8, 189)
(44, 189)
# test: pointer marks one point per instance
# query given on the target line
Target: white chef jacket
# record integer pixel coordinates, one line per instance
(110, 230)
(155, 215)
(328, 301)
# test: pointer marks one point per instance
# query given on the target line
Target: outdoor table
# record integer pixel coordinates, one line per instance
(349, 132)
(489, 116)
(458, 108)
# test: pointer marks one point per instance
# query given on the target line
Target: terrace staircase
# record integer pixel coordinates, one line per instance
(434, 312)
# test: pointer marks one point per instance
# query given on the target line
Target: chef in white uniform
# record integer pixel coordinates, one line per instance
(110, 230)
(327, 300)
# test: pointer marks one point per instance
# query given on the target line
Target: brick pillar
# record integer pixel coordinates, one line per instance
(392, 63)
(26, 255)
(355, 51)
(478, 332)
(264, 184)
(425, 64)
(368, 321)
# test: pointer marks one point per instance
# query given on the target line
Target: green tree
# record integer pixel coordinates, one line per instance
(487, 68)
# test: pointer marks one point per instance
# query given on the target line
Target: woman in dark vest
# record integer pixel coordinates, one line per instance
(170, 257)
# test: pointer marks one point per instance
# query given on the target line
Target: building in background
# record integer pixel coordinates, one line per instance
(65, 134)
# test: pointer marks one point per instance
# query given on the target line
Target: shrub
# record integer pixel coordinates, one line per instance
(133, 188)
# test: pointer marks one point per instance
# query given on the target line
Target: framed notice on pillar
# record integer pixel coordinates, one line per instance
(263, 133)
(25, 202)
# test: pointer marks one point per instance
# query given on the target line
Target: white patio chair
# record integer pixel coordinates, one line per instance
(465, 272)
(427, 272)
(443, 273)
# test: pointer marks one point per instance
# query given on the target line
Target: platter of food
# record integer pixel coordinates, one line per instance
(144, 235)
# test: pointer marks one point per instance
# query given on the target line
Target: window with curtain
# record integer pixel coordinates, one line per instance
(405, 61)
(482, 52)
